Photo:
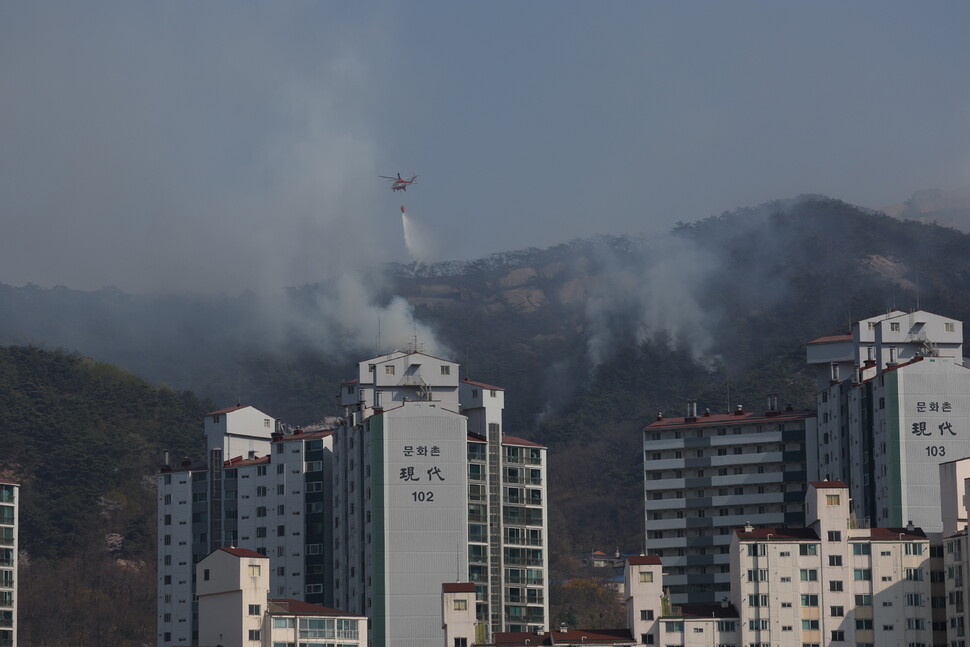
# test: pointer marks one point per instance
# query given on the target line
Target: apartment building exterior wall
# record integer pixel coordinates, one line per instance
(274, 499)
(893, 404)
(833, 583)
(705, 475)
(428, 489)
(9, 549)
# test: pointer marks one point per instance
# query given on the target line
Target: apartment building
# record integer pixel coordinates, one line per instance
(834, 582)
(235, 608)
(9, 547)
(705, 475)
(264, 489)
(428, 489)
(893, 402)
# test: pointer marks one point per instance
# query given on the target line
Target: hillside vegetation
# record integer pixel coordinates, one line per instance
(83, 439)
(591, 339)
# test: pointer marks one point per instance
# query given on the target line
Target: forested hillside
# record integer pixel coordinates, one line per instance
(83, 438)
(590, 338)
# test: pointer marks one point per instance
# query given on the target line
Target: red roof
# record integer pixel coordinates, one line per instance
(643, 560)
(513, 440)
(483, 385)
(568, 637)
(827, 484)
(896, 534)
(777, 534)
(831, 339)
(723, 419)
(243, 552)
(304, 435)
(299, 608)
(239, 461)
(458, 587)
(228, 410)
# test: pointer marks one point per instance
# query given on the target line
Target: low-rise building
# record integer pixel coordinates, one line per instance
(834, 582)
(235, 608)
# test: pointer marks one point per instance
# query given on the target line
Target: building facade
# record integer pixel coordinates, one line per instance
(706, 475)
(428, 489)
(264, 489)
(834, 582)
(235, 608)
(9, 547)
(893, 403)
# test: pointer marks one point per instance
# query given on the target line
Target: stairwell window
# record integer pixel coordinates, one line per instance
(446, 370)
(389, 369)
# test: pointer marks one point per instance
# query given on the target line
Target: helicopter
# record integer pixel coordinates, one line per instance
(399, 183)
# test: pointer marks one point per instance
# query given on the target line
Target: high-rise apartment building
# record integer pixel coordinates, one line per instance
(893, 403)
(263, 489)
(429, 490)
(416, 487)
(9, 546)
(705, 475)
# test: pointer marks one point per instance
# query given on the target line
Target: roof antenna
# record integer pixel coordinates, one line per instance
(917, 289)
(379, 351)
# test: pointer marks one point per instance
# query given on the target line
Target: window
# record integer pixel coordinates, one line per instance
(949, 326)
(446, 370)
(646, 576)
(808, 549)
(832, 499)
(646, 614)
(835, 535)
(254, 634)
(835, 585)
(862, 574)
(254, 572)
(894, 326)
(861, 549)
(809, 625)
(459, 642)
(461, 605)
(254, 609)
(864, 600)
(863, 625)
(809, 600)
(837, 612)
(914, 574)
(913, 548)
(808, 575)
(835, 560)
(838, 634)
(389, 369)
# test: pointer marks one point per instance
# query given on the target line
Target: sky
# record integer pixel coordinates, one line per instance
(230, 146)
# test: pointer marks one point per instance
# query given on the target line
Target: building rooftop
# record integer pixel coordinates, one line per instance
(818, 485)
(283, 607)
(506, 440)
(228, 410)
(896, 534)
(708, 611)
(458, 587)
(243, 552)
(722, 419)
(777, 534)
(832, 339)
(559, 637)
(642, 560)
(482, 385)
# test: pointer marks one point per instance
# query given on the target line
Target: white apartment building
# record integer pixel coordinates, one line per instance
(427, 490)
(955, 485)
(262, 489)
(9, 547)
(834, 583)
(705, 475)
(893, 404)
(235, 609)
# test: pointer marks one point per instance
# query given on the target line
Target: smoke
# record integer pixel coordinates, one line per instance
(209, 149)
(421, 244)
(655, 291)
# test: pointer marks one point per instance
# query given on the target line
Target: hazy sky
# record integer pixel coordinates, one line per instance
(210, 145)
